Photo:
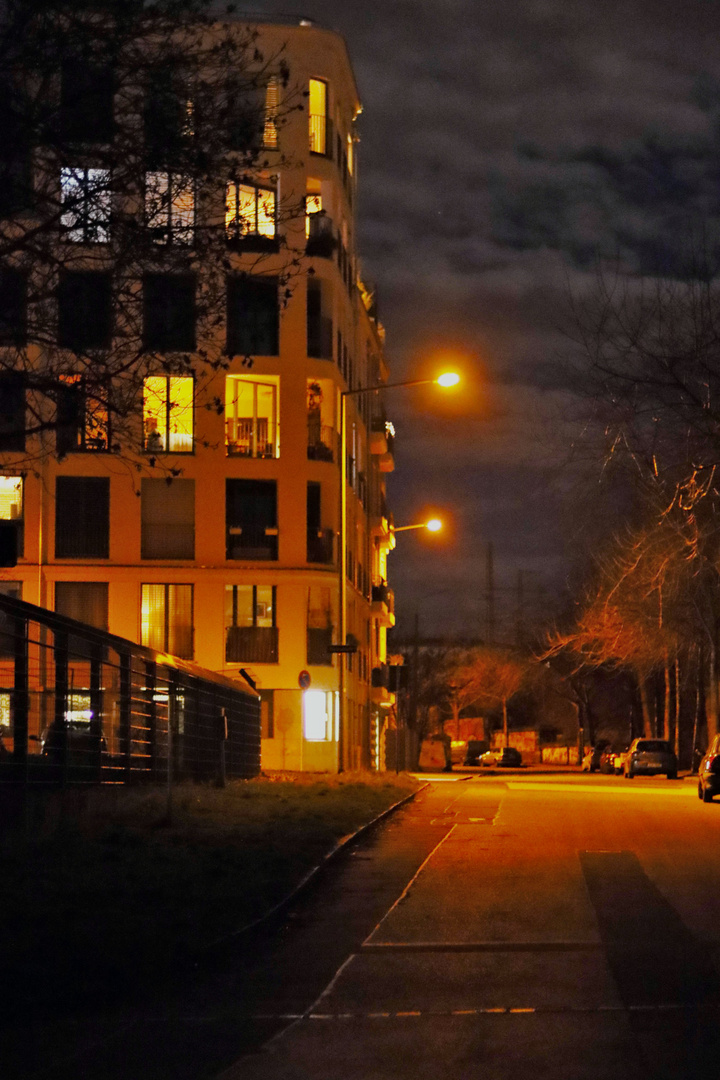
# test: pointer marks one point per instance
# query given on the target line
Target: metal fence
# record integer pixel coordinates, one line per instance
(79, 705)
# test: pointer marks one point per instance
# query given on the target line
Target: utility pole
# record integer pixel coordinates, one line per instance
(490, 595)
(520, 617)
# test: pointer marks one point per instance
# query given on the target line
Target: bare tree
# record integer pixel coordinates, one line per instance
(137, 141)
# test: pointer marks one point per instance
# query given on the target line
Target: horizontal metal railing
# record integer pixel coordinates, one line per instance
(79, 705)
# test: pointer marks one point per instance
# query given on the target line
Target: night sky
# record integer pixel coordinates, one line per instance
(507, 145)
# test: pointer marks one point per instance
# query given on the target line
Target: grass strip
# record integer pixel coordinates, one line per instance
(101, 893)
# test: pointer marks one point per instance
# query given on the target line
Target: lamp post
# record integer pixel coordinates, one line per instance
(433, 525)
(447, 379)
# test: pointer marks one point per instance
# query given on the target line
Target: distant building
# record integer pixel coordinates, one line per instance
(234, 562)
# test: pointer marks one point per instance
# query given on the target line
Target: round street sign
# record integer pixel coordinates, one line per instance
(304, 680)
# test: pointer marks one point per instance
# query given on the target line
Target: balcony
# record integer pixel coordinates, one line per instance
(322, 440)
(250, 437)
(252, 542)
(320, 544)
(383, 605)
(379, 683)
(321, 236)
(319, 640)
(251, 645)
(386, 464)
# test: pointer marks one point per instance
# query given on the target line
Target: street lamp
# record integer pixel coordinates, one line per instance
(446, 379)
(433, 525)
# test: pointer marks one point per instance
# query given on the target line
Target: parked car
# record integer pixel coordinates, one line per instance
(591, 760)
(649, 757)
(475, 748)
(507, 757)
(612, 758)
(709, 772)
(82, 744)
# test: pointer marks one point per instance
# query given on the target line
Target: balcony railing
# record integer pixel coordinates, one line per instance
(252, 542)
(251, 645)
(320, 543)
(250, 437)
(321, 441)
(321, 238)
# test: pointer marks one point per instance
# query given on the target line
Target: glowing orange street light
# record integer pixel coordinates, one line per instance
(433, 525)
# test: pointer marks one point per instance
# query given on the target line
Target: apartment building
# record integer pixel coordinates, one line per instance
(216, 536)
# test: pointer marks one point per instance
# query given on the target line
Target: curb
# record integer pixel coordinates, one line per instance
(310, 876)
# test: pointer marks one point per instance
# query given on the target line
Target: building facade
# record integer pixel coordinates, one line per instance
(217, 537)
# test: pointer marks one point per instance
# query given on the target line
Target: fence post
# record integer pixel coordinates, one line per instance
(150, 686)
(59, 736)
(96, 719)
(223, 737)
(20, 696)
(126, 713)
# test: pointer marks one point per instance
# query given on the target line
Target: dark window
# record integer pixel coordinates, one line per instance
(12, 411)
(168, 119)
(168, 519)
(313, 505)
(251, 634)
(82, 517)
(319, 540)
(319, 625)
(86, 601)
(84, 311)
(169, 312)
(15, 158)
(86, 101)
(7, 628)
(253, 316)
(13, 307)
(82, 418)
(319, 324)
(251, 519)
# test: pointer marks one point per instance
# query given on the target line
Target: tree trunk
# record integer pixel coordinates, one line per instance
(677, 707)
(647, 722)
(666, 699)
(505, 723)
(712, 696)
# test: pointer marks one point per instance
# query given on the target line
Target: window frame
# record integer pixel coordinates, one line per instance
(319, 133)
(173, 235)
(245, 232)
(167, 586)
(81, 213)
(167, 410)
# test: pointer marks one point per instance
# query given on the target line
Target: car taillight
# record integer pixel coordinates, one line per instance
(713, 764)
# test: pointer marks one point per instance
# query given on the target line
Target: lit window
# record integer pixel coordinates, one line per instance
(11, 498)
(167, 619)
(249, 211)
(169, 208)
(86, 205)
(313, 205)
(168, 414)
(272, 98)
(350, 154)
(317, 108)
(251, 427)
(317, 715)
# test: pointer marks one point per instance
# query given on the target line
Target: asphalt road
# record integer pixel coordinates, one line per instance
(561, 926)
